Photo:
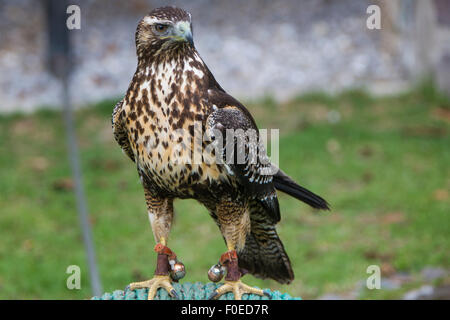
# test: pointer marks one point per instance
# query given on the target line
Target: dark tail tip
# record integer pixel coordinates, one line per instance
(285, 184)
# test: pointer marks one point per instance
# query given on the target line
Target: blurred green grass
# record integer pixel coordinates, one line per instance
(382, 163)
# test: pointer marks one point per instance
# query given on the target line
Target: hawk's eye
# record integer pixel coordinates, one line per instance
(161, 27)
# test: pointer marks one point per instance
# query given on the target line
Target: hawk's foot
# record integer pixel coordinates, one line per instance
(232, 280)
(167, 271)
(154, 284)
(238, 288)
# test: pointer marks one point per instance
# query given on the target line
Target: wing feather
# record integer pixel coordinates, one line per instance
(119, 130)
(243, 153)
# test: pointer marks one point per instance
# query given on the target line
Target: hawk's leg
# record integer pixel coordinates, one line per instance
(160, 212)
(234, 223)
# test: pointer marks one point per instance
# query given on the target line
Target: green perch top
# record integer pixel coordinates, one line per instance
(189, 291)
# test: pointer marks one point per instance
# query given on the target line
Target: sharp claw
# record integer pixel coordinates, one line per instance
(267, 294)
(174, 294)
(213, 295)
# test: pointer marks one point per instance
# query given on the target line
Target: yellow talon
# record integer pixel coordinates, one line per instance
(238, 288)
(154, 284)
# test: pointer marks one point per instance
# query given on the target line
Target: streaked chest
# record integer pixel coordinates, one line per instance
(167, 110)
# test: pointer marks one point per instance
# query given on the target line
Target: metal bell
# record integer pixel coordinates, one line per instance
(177, 271)
(216, 272)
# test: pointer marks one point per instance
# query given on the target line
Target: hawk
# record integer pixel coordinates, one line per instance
(172, 96)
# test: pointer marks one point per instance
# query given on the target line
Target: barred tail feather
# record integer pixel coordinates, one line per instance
(263, 254)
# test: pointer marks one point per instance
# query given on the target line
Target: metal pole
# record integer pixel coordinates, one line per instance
(59, 46)
(79, 191)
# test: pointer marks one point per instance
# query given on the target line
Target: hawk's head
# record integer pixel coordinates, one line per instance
(163, 29)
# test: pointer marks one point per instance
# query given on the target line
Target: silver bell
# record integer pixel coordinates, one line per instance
(177, 271)
(216, 272)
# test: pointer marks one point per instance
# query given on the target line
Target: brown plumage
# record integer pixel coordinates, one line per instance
(172, 97)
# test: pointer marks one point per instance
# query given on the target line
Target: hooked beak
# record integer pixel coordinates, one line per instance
(189, 38)
(183, 32)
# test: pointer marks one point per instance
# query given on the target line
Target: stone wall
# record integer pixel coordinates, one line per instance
(253, 47)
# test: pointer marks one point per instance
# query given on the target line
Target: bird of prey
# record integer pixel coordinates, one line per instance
(173, 95)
